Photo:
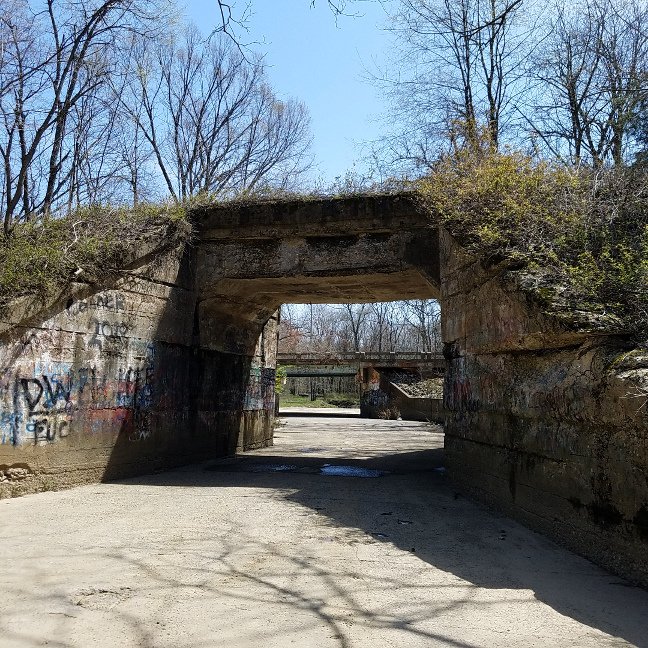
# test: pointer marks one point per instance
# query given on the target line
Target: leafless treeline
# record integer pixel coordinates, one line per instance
(566, 78)
(122, 101)
(382, 327)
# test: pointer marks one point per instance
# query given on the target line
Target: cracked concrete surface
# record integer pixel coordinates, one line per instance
(240, 555)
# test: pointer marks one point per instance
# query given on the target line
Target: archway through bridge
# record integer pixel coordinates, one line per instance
(253, 258)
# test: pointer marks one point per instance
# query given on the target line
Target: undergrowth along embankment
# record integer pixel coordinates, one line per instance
(41, 258)
(575, 239)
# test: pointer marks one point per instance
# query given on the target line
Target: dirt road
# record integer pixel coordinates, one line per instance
(345, 534)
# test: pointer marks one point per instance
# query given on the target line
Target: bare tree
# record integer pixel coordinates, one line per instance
(98, 102)
(384, 326)
(232, 21)
(211, 121)
(56, 60)
(592, 79)
(423, 319)
(379, 323)
(354, 317)
(458, 60)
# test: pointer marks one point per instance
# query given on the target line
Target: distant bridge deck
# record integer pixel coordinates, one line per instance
(321, 371)
(347, 360)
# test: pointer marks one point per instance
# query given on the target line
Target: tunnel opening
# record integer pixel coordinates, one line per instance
(352, 381)
(370, 359)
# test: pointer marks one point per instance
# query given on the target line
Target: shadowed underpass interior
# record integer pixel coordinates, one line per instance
(173, 362)
(237, 554)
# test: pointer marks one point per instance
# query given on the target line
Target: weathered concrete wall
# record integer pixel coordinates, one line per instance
(259, 402)
(414, 408)
(374, 396)
(382, 398)
(545, 422)
(112, 383)
(251, 258)
(165, 366)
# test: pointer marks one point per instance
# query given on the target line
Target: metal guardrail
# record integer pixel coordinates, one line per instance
(360, 357)
(318, 371)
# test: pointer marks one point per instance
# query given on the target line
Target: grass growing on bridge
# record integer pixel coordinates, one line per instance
(41, 258)
(576, 239)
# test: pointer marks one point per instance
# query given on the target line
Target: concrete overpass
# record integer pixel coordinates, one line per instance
(253, 258)
(316, 371)
(173, 361)
(356, 363)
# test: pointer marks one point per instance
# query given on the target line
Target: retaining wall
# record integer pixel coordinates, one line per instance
(547, 422)
(110, 383)
(381, 398)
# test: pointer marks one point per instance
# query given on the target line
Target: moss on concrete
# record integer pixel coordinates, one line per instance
(42, 259)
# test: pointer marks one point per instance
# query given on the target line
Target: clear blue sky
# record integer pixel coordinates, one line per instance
(323, 64)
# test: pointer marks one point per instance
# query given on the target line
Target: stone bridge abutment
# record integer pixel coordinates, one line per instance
(174, 362)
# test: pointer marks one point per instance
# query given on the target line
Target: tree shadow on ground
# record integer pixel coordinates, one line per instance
(216, 577)
(414, 508)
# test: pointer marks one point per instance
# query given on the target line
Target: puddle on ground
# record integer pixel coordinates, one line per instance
(326, 469)
(309, 450)
(350, 471)
(272, 468)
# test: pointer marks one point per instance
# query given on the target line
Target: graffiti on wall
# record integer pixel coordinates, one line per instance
(458, 391)
(44, 404)
(260, 392)
(42, 396)
(109, 301)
